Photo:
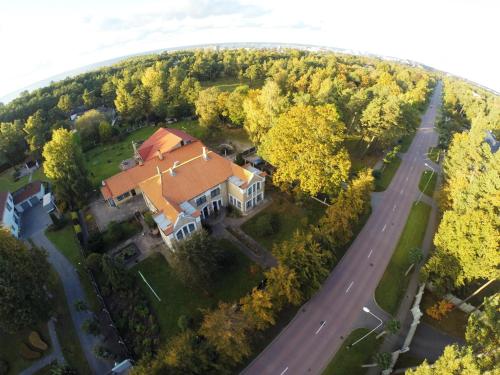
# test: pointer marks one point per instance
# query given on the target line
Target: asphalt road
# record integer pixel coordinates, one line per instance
(307, 344)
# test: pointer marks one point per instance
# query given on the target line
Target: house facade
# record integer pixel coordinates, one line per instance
(28, 196)
(9, 218)
(183, 183)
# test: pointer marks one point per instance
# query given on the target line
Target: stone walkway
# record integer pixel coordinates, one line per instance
(55, 355)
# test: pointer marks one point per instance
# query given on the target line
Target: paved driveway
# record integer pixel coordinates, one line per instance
(34, 220)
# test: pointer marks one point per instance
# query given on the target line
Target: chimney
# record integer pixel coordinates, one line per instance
(176, 164)
(159, 154)
(134, 146)
(205, 153)
(158, 170)
(171, 171)
(140, 161)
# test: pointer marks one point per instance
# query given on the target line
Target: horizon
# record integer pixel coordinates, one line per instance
(123, 29)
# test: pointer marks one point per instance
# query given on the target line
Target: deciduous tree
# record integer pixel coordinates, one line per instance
(258, 309)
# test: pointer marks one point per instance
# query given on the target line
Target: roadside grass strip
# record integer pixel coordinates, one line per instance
(433, 154)
(427, 182)
(394, 282)
(349, 361)
(387, 173)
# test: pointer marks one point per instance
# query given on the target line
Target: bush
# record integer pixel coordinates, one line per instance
(91, 326)
(57, 223)
(4, 367)
(37, 342)
(27, 353)
(74, 215)
(377, 173)
(148, 219)
(77, 228)
(95, 243)
(239, 159)
(267, 224)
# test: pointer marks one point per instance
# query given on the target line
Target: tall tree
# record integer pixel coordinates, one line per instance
(23, 278)
(65, 104)
(306, 147)
(258, 308)
(283, 286)
(65, 166)
(12, 143)
(226, 329)
(37, 131)
(454, 361)
(207, 107)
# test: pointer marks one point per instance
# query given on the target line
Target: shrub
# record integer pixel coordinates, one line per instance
(27, 353)
(439, 310)
(94, 262)
(92, 327)
(267, 224)
(95, 243)
(239, 159)
(77, 228)
(74, 215)
(37, 342)
(4, 367)
(57, 223)
(148, 219)
(377, 173)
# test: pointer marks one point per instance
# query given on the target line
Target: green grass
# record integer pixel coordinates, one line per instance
(388, 171)
(7, 183)
(453, 323)
(393, 284)
(10, 345)
(433, 154)
(349, 361)
(406, 141)
(292, 216)
(427, 182)
(67, 244)
(178, 299)
(228, 84)
(66, 332)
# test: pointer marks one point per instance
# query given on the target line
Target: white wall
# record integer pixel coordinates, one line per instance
(10, 217)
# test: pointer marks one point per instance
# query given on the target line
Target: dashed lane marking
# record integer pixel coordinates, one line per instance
(349, 287)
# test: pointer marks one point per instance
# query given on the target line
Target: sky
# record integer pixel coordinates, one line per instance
(41, 39)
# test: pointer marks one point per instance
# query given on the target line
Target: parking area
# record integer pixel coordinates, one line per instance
(104, 214)
(34, 220)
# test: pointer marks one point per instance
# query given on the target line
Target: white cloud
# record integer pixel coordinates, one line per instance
(42, 39)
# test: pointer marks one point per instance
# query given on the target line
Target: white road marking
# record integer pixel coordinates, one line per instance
(320, 327)
(370, 253)
(285, 370)
(349, 287)
(394, 208)
(383, 229)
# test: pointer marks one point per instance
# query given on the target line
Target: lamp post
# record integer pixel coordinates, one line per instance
(367, 310)
(427, 183)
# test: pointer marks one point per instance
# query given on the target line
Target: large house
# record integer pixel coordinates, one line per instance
(9, 218)
(183, 182)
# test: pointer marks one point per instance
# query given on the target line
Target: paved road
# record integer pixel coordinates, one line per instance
(306, 345)
(429, 342)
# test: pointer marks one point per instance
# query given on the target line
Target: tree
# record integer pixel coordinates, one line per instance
(453, 361)
(226, 329)
(65, 166)
(207, 107)
(64, 103)
(483, 333)
(234, 110)
(131, 100)
(91, 326)
(306, 147)
(258, 309)
(154, 81)
(87, 126)
(392, 326)
(283, 286)
(23, 278)
(262, 108)
(383, 360)
(306, 258)
(37, 131)
(197, 259)
(416, 255)
(89, 99)
(105, 131)
(336, 226)
(12, 143)
(116, 276)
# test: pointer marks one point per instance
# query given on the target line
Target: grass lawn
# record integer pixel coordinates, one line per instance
(453, 323)
(67, 244)
(433, 154)
(349, 361)
(178, 299)
(388, 172)
(292, 216)
(427, 182)
(393, 284)
(10, 345)
(228, 84)
(66, 332)
(7, 183)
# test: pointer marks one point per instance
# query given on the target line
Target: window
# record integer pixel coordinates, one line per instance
(238, 203)
(201, 200)
(179, 235)
(123, 196)
(191, 228)
(9, 207)
(258, 185)
(215, 192)
(185, 231)
(259, 197)
(249, 204)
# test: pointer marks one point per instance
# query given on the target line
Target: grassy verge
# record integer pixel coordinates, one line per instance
(349, 361)
(433, 154)
(453, 323)
(393, 284)
(7, 183)
(10, 346)
(406, 141)
(68, 338)
(387, 173)
(292, 216)
(178, 299)
(67, 244)
(427, 182)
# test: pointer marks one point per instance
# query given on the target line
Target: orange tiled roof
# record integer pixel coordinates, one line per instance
(163, 140)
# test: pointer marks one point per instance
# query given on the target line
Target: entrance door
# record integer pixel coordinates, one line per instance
(133, 192)
(205, 212)
(216, 207)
